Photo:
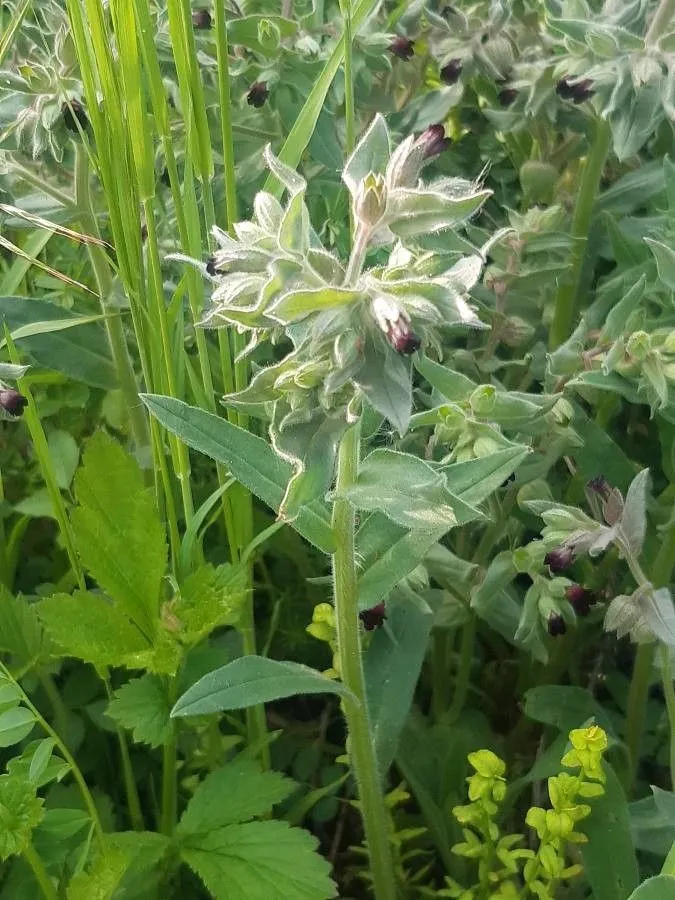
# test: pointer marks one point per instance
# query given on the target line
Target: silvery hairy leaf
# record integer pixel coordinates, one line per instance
(634, 519)
(11, 371)
(370, 155)
(646, 615)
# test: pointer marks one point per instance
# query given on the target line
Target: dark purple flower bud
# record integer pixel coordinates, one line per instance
(12, 402)
(73, 112)
(211, 265)
(433, 141)
(556, 625)
(165, 177)
(577, 91)
(507, 96)
(580, 599)
(257, 94)
(600, 486)
(405, 343)
(451, 71)
(559, 559)
(395, 323)
(402, 47)
(583, 90)
(374, 617)
(201, 18)
(144, 232)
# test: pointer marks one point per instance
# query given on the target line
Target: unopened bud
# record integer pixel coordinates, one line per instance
(371, 200)
(433, 141)
(580, 599)
(451, 71)
(257, 94)
(559, 559)
(73, 112)
(201, 18)
(639, 345)
(12, 402)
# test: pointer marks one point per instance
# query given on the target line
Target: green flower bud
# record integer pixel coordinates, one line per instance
(538, 179)
(639, 345)
(482, 400)
(371, 200)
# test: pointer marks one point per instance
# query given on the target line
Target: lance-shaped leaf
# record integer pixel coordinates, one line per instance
(634, 519)
(250, 680)
(385, 379)
(296, 304)
(425, 211)
(371, 154)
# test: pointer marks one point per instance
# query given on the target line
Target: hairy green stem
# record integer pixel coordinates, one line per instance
(669, 694)
(463, 681)
(113, 322)
(361, 749)
(566, 298)
(662, 18)
(41, 874)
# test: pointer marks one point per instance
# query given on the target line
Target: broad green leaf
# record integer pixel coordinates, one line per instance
(371, 154)
(491, 600)
(565, 707)
(259, 861)
(608, 857)
(80, 353)
(416, 212)
(238, 792)
(142, 706)
(246, 31)
(20, 811)
(660, 887)
(89, 627)
(392, 666)
(250, 680)
(386, 382)
(15, 725)
(62, 824)
(409, 491)
(634, 518)
(118, 533)
(665, 261)
(249, 458)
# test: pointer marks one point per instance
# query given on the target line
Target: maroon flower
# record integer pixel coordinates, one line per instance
(433, 141)
(211, 265)
(600, 486)
(577, 91)
(507, 96)
(201, 18)
(559, 559)
(374, 617)
(580, 599)
(12, 402)
(73, 112)
(395, 323)
(556, 625)
(257, 94)
(451, 71)
(402, 47)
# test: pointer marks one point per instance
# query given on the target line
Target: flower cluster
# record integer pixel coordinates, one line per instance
(498, 857)
(351, 328)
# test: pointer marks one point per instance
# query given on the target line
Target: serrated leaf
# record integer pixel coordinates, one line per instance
(142, 707)
(21, 634)
(259, 861)
(249, 458)
(123, 858)
(15, 725)
(634, 519)
(251, 680)
(20, 811)
(238, 792)
(89, 627)
(209, 597)
(118, 532)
